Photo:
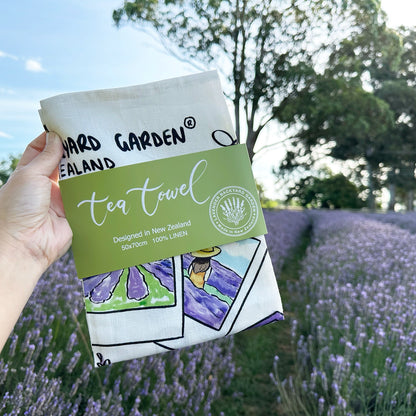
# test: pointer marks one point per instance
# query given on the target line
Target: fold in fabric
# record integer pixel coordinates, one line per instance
(190, 298)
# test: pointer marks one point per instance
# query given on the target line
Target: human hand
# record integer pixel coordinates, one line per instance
(32, 218)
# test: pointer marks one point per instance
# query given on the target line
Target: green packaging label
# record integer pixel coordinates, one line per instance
(153, 210)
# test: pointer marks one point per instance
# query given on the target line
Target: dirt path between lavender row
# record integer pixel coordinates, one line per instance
(252, 393)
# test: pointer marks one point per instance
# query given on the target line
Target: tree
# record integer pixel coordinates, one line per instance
(333, 191)
(264, 201)
(383, 62)
(7, 166)
(265, 48)
(357, 106)
(351, 120)
(398, 90)
(401, 152)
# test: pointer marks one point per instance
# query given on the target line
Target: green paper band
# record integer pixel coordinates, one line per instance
(153, 210)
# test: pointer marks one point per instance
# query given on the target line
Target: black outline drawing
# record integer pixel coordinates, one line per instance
(248, 292)
(159, 342)
(233, 141)
(259, 323)
(175, 303)
(164, 346)
(119, 344)
(118, 275)
(102, 362)
(237, 293)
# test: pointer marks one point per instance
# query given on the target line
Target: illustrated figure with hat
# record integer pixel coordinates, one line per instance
(200, 268)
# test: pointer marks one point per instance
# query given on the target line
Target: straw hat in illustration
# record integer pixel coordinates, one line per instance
(200, 268)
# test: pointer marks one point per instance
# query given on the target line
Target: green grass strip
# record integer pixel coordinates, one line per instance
(211, 290)
(252, 392)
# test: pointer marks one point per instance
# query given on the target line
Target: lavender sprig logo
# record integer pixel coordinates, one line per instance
(233, 211)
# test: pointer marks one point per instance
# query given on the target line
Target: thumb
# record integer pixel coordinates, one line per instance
(46, 161)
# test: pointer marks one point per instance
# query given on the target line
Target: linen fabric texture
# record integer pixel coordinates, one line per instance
(190, 298)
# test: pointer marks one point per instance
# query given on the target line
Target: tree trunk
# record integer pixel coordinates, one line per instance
(410, 197)
(371, 198)
(251, 141)
(237, 117)
(392, 200)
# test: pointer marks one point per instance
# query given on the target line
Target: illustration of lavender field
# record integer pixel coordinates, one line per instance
(211, 303)
(143, 286)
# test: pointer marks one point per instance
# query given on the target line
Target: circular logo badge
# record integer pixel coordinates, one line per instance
(233, 211)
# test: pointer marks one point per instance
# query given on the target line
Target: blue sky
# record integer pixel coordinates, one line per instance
(49, 47)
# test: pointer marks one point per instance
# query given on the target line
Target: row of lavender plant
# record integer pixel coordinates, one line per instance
(356, 336)
(46, 366)
(285, 229)
(405, 220)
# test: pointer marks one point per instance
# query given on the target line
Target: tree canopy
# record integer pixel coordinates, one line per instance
(363, 106)
(330, 70)
(333, 192)
(7, 166)
(266, 49)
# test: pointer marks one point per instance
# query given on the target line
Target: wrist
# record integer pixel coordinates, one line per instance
(19, 276)
(16, 256)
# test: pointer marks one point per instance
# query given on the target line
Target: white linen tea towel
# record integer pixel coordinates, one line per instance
(189, 298)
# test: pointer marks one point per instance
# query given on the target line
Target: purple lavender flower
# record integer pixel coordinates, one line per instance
(136, 286)
(358, 278)
(105, 288)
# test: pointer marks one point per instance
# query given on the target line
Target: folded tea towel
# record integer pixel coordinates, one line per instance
(190, 298)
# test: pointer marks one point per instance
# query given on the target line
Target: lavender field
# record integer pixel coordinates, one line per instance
(350, 315)
(405, 220)
(285, 229)
(355, 332)
(46, 367)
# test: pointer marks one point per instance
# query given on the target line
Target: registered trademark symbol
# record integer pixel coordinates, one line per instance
(189, 122)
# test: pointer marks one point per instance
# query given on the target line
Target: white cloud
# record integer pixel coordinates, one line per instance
(4, 135)
(33, 65)
(8, 55)
(7, 91)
